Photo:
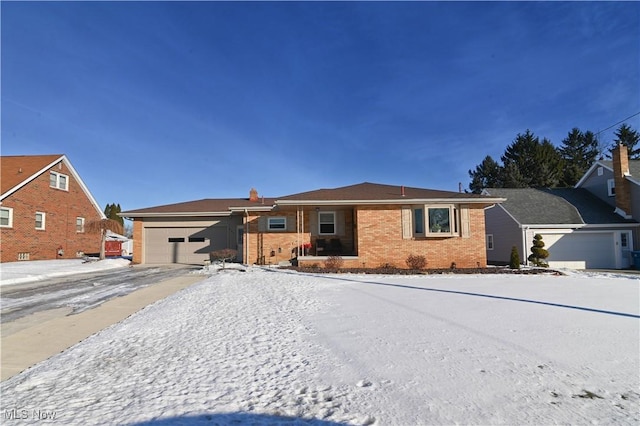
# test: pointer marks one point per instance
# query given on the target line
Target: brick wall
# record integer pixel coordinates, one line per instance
(379, 241)
(61, 209)
(138, 254)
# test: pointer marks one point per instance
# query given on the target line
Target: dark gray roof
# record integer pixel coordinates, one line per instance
(634, 167)
(561, 206)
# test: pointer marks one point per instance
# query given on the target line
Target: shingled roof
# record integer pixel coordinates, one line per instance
(556, 206)
(16, 170)
(379, 193)
(204, 207)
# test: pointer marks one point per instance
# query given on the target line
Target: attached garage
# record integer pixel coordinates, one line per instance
(588, 250)
(190, 245)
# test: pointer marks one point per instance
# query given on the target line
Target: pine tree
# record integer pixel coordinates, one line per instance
(529, 163)
(487, 174)
(538, 253)
(628, 137)
(578, 152)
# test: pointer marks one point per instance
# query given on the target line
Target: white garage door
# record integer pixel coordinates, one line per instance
(183, 245)
(581, 250)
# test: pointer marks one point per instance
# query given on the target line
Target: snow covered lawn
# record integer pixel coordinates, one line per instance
(387, 350)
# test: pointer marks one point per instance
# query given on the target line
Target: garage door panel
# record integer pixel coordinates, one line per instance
(183, 244)
(583, 250)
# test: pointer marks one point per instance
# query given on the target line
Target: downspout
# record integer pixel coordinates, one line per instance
(524, 246)
(245, 255)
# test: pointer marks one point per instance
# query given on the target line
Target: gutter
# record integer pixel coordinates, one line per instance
(393, 201)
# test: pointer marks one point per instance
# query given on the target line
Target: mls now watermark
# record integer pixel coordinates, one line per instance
(23, 414)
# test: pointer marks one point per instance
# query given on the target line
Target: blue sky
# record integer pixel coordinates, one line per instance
(162, 102)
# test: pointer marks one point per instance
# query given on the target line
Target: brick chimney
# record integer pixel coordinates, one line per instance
(623, 187)
(253, 195)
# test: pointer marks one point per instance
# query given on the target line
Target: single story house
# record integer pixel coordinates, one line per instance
(590, 226)
(44, 207)
(367, 225)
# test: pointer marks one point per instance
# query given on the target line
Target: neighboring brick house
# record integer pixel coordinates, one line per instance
(367, 224)
(44, 207)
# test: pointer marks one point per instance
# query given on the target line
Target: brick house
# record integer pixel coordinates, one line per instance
(367, 224)
(44, 206)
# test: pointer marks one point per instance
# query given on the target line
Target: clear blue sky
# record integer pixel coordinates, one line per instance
(163, 102)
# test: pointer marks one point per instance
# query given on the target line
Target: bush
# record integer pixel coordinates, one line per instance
(538, 253)
(223, 255)
(416, 261)
(333, 263)
(514, 262)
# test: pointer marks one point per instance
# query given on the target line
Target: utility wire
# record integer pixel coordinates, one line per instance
(619, 122)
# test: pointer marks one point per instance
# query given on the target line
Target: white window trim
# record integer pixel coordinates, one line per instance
(452, 220)
(335, 225)
(490, 243)
(611, 187)
(10, 210)
(600, 171)
(81, 231)
(57, 182)
(278, 229)
(44, 221)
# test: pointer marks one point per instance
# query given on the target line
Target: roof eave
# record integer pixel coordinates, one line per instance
(173, 214)
(393, 201)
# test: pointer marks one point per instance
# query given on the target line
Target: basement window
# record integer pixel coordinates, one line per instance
(176, 239)
(23, 256)
(196, 239)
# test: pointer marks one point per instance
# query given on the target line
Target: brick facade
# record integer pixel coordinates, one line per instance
(378, 241)
(61, 208)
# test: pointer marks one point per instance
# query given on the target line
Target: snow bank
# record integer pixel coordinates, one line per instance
(22, 272)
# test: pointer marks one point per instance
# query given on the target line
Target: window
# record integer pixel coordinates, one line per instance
(611, 187)
(418, 222)
(439, 220)
(176, 239)
(624, 240)
(6, 217)
(79, 224)
(196, 239)
(489, 241)
(23, 256)
(600, 171)
(58, 180)
(277, 223)
(327, 223)
(40, 220)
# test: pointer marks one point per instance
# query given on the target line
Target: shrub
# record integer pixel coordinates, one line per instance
(223, 255)
(416, 261)
(538, 253)
(333, 263)
(514, 262)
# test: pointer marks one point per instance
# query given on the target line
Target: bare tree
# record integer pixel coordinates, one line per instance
(101, 227)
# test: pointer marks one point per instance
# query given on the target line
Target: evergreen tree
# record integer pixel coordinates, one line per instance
(529, 163)
(487, 174)
(629, 137)
(111, 212)
(514, 261)
(538, 253)
(578, 152)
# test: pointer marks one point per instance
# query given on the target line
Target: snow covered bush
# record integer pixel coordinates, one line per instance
(416, 261)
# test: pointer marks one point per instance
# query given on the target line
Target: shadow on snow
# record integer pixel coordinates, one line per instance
(489, 296)
(224, 419)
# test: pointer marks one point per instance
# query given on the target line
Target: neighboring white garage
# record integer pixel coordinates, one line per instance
(576, 250)
(190, 245)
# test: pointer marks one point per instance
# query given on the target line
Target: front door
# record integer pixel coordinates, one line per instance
(624, 245)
